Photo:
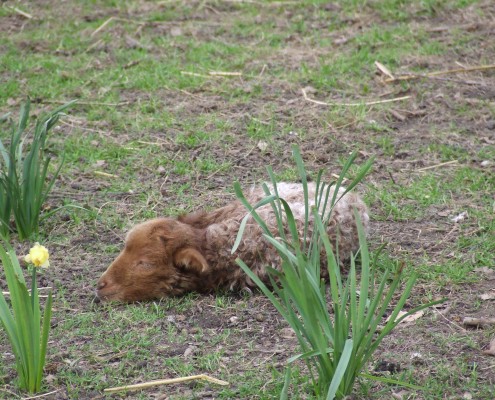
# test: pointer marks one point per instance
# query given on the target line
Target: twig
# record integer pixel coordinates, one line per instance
(82, 127)
(461, 81)
(367, 103)
(469, 321)
(95, 44)
(214, 173)
(450, 322)
(445, 237)
(224, 73)
(166, 382)
(151, 143)
(193, 74)
(384, 70)
(102, 26)
(212, 73)
(262, 3)
(436, 73)
(337, 177)
(14, 395)
(438, 165)
(131, 64)
(88, 103)
(40, 395)
(262, 70)
(397, 115)
(105, 174)
(29, 290)
(20, 12)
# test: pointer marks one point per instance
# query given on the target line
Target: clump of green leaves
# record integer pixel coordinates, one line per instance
(24, 186)
(27, 330)
(337, 338)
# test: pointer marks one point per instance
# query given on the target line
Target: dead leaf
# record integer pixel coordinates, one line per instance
(461, 217)
(384, 70)
(180, 318)
(99, 163)
(487, 140)
(403, 394)
(341, 40)
(409, 318)
(397, 115)
(417, 358)
(189, 351)
(134, 44)
(484, 270)
(488, 272)
(491, 349)
(310, 90)
(287, 333)
(488, 296)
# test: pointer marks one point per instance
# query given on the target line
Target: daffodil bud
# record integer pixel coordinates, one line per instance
(38, 256)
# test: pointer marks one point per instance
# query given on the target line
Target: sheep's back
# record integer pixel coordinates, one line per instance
(256, 251)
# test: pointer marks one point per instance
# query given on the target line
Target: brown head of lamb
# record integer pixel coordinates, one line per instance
(168, 256)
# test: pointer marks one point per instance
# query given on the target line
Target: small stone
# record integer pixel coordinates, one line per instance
(310, 90)
(287, 333)
(189, 351)
(417, 358)
(491, 124)
(485, 163)
(175, 31)
(262, 145)
(259, 317)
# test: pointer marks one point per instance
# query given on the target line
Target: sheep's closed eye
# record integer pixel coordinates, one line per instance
(144, 265)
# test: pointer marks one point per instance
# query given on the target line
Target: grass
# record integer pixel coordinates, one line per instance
(138, 112)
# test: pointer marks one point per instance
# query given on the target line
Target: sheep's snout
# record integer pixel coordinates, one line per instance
(104, 288)
(101, 284)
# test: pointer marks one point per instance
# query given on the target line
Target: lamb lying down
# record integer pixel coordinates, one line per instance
(168, 257)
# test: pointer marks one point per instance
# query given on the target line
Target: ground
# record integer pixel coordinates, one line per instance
(161, 128)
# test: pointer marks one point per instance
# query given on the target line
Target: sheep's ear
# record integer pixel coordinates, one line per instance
(191, 259)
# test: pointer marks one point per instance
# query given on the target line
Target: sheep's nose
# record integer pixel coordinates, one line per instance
(101, 284)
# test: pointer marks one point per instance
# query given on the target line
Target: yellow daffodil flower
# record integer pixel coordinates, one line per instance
(38, 256)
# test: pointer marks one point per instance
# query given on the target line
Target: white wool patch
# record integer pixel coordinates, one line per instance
(257, 252)
(293, 194)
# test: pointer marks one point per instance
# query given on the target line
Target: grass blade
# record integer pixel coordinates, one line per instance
(340, 370)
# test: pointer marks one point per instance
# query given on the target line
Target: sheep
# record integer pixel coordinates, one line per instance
(171, 256)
